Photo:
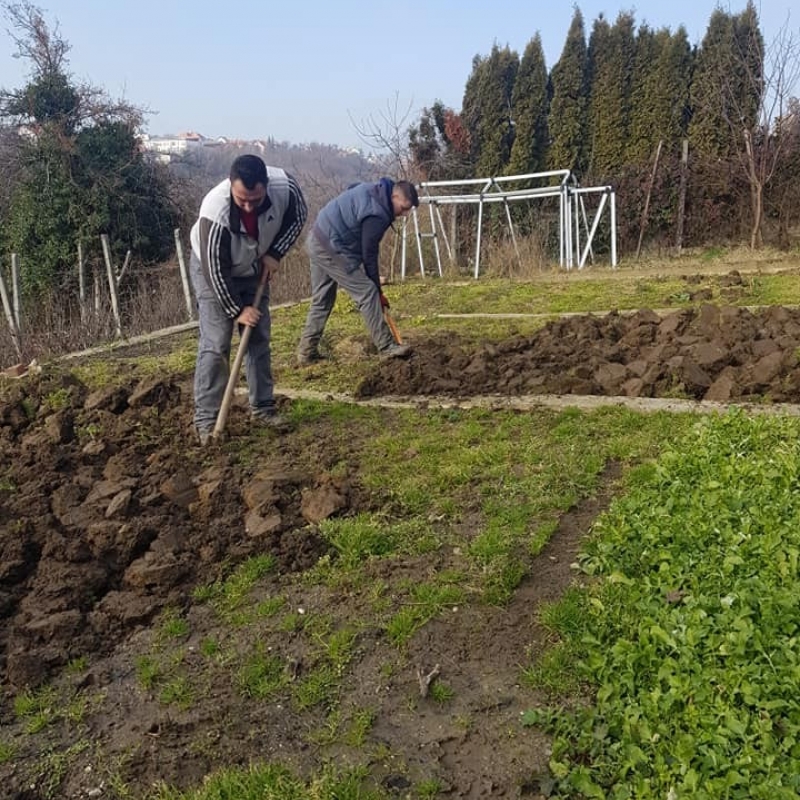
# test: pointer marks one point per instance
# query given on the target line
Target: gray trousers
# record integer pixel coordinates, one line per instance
(327, 273)
(214, 351)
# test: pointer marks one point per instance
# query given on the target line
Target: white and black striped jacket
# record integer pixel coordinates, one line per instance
(221, 244)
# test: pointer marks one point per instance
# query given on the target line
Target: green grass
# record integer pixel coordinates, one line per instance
(690, 632)
(229, 595)
(276, 782)
(38, 708)
(261, 675)
(7, 752)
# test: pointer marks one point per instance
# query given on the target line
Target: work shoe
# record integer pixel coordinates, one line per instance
(274, 420)
(395, 351)
(307, 359)
(205, 436)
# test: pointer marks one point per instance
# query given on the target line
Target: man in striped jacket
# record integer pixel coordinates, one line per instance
(246, 224)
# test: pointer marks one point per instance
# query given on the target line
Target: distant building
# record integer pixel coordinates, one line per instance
(165, 147)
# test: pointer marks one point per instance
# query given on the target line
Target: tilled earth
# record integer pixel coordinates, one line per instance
(110, 514)
(717, 353)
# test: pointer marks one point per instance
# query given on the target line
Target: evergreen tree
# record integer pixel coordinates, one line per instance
(486, 110)
(710, 134)
(529, 107)
(660, 92)
(611, 64)
(748, 85)
(567, 118)
(439, 145)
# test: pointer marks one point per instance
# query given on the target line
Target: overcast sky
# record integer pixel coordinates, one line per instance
(320, 70)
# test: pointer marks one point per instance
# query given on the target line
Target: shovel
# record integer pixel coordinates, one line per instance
(233, 378)
(392, 327)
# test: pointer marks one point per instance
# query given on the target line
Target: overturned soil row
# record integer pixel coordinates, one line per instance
(718, 354)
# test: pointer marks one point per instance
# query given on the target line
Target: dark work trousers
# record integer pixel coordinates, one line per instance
(327, 273)
(214, 351)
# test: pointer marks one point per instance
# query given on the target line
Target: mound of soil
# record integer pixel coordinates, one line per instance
(724, 354)
(109, 511)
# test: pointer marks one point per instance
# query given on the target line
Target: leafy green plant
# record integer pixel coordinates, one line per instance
(148, 671)
(77, 665)
(357, 538)
(428, 789)
(427, 601)
(690, 631)
(173, 625)
(229, 595)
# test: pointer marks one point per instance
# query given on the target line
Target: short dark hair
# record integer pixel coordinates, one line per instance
(250, 170)
(409, 191)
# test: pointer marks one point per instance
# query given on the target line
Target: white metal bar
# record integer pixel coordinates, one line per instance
(435, 241)
(403, 249)
(592, 232)
(443, 229)
(478, 244)
(513, 235)
(585, 221)
(419, 245)
(16, 293)
(564, 173)
(492, 197)
(613, 227)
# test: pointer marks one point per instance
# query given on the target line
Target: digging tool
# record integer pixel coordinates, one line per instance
(227, 398)
(392, 327)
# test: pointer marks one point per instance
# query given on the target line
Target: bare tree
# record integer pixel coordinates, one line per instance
(386, 133)
(38, 44)
(46, 52)
(766, 145)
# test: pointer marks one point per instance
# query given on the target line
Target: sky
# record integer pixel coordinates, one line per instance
(327, 71)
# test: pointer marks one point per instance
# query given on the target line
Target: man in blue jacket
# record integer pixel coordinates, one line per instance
(343, 246)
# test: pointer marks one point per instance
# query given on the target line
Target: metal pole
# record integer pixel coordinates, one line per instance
(593, 230)
(478, 243)
(444, 233)
(81, 283)
(435, 240)
(513, 235)
(419, 244)
(561, 228)
(613, 227)
(403, 250)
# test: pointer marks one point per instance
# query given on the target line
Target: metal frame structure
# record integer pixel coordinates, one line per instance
(573, 218)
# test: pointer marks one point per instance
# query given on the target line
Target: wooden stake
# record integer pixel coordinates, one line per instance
(16, 290)
(12, 327)
(647, 199)
(112, 283)
(187, 294)
(682, 197)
